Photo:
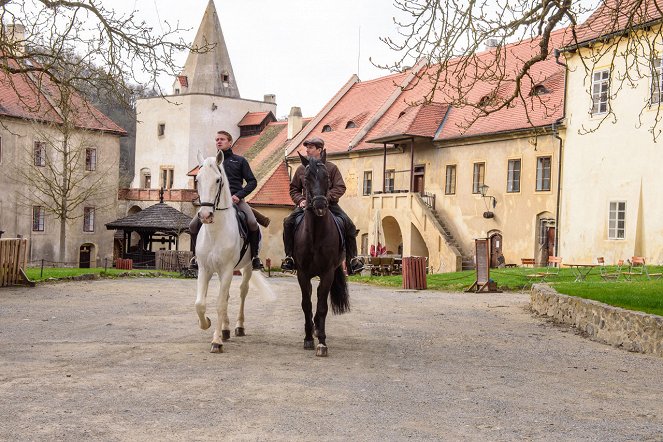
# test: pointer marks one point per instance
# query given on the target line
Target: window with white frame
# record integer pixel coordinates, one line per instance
(389, 179)
(478, 176)
(38, 218)
(543, 174)
(88, 219)
(40, 153)
(600, 90)
(513, 176)
(167, 177)
(368, 182)
(450, 181)
(617, 220)
(90, 159)
(657, 82)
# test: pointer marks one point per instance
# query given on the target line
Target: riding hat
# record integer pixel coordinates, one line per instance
(315, 141)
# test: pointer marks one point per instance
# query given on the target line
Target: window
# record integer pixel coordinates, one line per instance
(38, 218)
(389, 178)
(600, 86)
(656, 85)
(161, 129)
(167, 177)
(147, 180)
(617, 220)
(450, 183)
(478, 176)
(351, 125)
(368, 182)
(40, 153)
(543, 174)
(539, 89)
(90, 159)
(326, 128)
(513, 176)
(88, 219)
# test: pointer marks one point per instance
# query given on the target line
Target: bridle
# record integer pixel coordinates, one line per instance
(215, 204)
(310, 202)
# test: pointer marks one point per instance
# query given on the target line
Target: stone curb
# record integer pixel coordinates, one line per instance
(630, 330)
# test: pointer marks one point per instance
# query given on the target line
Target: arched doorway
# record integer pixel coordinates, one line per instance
(87, 256)
(545, 237)
(393, 237)
(496, 244)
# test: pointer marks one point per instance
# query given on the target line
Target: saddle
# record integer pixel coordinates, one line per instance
(243, 231)
(340, 225)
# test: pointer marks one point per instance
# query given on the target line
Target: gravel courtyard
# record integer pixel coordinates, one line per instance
(124, 359)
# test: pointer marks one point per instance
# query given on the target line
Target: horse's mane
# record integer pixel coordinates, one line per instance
(225, 191)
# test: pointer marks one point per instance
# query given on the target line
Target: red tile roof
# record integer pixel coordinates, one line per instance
(613, 16)
(254, 118)
(405, 117)
(33, 96)
(359, 104)
(244, 143)
(275, 191)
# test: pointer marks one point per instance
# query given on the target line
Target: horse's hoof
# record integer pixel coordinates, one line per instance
(225, 335)
(239, 331)
(321, 350)
(216, 348)
(309, 345)
(206, 326)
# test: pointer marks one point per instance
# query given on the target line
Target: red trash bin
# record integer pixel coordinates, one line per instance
(414, 272)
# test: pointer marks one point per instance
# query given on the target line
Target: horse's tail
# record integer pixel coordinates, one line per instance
(340, 296)
(259, 282)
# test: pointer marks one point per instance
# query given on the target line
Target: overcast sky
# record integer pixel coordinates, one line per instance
(301, 50)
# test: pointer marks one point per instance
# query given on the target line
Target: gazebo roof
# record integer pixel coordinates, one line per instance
(159, 217)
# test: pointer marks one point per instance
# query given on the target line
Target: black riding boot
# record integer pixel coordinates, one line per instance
(288, 244)
(194, 228)
(254, 242)
(353, 264)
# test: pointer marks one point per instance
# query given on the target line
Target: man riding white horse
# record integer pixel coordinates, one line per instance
(238, 170)
(314, 147)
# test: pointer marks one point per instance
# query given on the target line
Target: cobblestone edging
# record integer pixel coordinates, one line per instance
(632, 331)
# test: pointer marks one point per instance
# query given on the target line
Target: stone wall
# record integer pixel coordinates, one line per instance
(633, 331)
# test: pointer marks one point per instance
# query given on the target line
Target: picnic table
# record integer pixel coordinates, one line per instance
(581, 270)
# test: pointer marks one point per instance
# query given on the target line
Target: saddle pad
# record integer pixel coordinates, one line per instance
(337, 220)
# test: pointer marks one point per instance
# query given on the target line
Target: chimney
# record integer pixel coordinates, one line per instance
(270, 98)
(493, 43)
(294, 122)
(15, 33)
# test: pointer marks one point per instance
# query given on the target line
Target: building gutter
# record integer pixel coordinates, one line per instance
(555, 132)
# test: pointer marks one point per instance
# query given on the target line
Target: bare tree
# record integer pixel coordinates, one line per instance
(451, 36)
(126, 50)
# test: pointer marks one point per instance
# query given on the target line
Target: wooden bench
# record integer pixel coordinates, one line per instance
(527, 262)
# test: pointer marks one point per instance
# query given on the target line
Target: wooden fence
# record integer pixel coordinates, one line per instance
(173, 260)
(13, 260)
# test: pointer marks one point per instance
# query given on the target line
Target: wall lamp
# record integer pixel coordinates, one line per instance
(483, 190)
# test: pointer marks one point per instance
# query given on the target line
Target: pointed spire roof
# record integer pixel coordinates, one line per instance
(209, 72)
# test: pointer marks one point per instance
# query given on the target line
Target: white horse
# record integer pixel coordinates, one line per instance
(218, 249)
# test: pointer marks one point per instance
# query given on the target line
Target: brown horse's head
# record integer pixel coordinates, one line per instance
(316, 182)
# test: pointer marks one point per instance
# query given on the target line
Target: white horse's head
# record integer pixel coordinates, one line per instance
(212, 186)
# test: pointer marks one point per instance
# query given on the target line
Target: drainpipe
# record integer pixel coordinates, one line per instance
(557, 122)
(384, 169)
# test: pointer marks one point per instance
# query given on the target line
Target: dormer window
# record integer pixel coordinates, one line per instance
(485, 101)
(401, 114)
(326, 128)
(539, 89)
(351, 125)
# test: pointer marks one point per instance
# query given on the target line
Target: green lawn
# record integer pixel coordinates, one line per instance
(639, 295)
(35, 273)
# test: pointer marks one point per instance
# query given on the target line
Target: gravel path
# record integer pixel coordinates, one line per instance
(124, 360)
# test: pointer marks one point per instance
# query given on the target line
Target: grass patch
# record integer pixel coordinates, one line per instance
(640, 294)
(35, 273)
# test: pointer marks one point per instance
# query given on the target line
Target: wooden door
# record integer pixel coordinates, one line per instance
(550, 240)
(496, 250)
(84, 257)
(418, 179)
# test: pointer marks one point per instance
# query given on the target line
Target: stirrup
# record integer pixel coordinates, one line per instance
(257, 265)
(288, 264)
(356, 265)
(193, 264)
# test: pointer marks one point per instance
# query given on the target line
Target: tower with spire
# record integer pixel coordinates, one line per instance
(205, 99)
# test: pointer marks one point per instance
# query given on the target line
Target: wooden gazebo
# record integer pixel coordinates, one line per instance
(159, 224)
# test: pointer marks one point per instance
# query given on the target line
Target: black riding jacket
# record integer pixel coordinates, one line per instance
(238, 170)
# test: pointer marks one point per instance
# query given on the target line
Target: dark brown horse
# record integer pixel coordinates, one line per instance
(319, 252)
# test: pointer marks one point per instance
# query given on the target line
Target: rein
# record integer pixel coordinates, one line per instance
(215, 204)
